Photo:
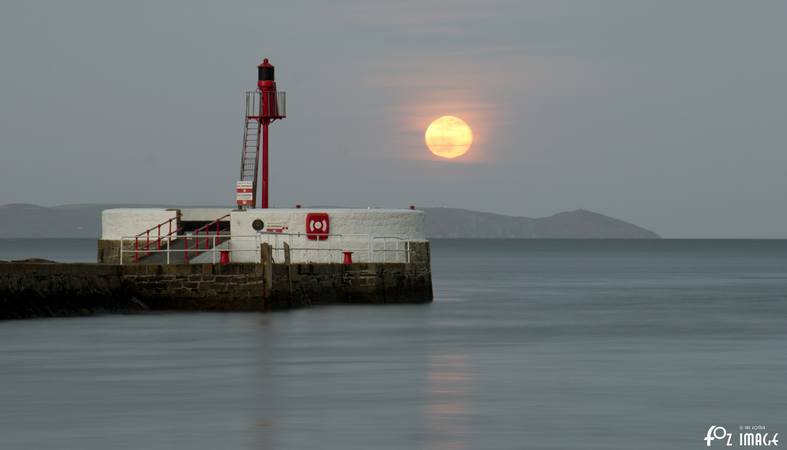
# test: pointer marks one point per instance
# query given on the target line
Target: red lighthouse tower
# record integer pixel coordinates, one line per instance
(263, 106)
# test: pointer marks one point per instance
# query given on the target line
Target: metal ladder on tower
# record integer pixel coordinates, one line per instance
(249, 161)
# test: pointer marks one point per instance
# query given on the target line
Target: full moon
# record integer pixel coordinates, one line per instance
(448, 137)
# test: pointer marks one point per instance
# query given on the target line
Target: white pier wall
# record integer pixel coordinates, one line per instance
(384, 231)
(123, 222)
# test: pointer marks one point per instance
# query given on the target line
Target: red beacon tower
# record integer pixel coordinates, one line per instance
(263, 106)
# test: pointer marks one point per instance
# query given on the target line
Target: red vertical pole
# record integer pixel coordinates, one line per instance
(186, 249)
(265, 163)
(257, 155)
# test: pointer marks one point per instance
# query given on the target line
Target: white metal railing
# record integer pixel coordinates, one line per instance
(270, 105)
(365, 247)
(186, 247)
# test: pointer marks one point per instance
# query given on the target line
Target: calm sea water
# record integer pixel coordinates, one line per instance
(529, 344)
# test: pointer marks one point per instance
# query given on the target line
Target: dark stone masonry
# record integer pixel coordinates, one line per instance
(46, 289)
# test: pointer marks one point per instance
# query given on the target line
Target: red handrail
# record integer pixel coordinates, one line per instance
(215, 222)
(196, 234)
(158, 238)
(205, 228)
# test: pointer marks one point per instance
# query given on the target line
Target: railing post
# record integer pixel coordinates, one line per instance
(266, 254)
(186, 249)
(136, 248)
(197, 239)
(147, 243)
(286, 249)
(266, 259)
(213, 253)
(158, 241)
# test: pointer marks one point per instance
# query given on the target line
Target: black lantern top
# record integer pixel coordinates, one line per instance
(265, 71)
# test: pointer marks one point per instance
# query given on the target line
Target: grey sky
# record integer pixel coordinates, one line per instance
(669, 114)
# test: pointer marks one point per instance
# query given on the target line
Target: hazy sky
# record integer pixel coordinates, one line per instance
(668, 114)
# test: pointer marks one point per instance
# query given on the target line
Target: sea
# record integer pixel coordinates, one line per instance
(529, 344)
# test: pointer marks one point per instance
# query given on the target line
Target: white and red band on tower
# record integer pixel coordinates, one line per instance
(263, 106)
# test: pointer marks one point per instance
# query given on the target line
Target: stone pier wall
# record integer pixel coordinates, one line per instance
(296, 285)
(300, 285)
(46, 290)
(30, 289)
(211, 287)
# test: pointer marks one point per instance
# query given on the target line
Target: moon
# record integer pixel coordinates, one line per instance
(449, 137)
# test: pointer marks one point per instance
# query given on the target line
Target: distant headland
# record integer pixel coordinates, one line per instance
(578, 224)
(83, 221)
